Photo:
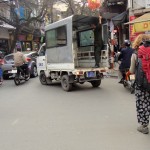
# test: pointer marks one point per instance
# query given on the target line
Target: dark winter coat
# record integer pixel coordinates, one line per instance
(125, 57)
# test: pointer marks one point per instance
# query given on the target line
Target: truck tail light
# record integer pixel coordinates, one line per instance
(79, 73)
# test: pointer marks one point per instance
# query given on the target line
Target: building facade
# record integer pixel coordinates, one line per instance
(136, 10)
(5, 29)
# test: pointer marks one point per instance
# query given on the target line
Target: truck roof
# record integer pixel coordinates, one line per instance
(78, 21)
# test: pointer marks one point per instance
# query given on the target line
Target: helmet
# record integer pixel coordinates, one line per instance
(127, 43)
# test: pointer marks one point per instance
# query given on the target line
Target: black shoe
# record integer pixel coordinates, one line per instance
(121, 81)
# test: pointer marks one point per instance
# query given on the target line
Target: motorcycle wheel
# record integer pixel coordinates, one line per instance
(28, 77)
(16, 80)
(125, 84)
(132, 90)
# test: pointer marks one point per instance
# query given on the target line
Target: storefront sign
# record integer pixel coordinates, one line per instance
(29, 37)
(133, 35)
(22, 38)
(142, 26)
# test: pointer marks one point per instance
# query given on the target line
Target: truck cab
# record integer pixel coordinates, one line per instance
(69, 53)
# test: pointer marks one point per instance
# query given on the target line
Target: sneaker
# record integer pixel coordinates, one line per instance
(143, 129)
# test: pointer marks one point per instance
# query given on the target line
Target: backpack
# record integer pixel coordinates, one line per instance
(142, 72)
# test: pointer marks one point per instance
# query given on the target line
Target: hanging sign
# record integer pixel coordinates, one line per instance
(142, 26)
(29, 37)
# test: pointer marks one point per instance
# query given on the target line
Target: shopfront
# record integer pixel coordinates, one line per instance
(4, 40)
(28, 42)
(139, 25)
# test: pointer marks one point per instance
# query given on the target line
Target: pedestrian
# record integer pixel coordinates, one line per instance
(141, 94)
(125, 58)
(98, 42)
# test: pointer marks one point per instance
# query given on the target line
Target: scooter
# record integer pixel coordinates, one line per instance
(19, 75)
(129, 81)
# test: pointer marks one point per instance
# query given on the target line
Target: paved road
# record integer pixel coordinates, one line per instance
(36, 117)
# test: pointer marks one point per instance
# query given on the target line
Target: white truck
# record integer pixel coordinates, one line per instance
(68, 53)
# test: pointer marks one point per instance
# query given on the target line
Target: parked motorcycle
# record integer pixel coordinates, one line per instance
(20, 75)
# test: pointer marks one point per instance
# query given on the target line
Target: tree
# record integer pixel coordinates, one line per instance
(35, 12)
(78, 7)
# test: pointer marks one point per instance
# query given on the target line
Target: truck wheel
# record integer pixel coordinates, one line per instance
(65, 83)
(96, 83)
(42, 78)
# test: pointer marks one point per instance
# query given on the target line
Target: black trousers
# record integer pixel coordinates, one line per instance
(23, 69)
(97, 55)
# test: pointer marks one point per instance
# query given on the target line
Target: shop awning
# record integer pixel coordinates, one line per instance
(141, 24)
(119, 19)
(7, 26)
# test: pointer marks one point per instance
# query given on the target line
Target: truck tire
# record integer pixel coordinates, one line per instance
(96, 83)
(65, 83)
(42, 78)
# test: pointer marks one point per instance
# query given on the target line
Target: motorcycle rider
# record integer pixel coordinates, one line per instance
(20, 62)
(125, 58)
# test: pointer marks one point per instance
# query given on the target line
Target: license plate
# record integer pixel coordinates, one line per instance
(90, 74)
(12, 71)
(132, 77)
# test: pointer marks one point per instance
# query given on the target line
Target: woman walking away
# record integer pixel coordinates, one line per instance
(142, 94)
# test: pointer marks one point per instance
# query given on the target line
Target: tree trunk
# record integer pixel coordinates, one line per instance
(15, 34)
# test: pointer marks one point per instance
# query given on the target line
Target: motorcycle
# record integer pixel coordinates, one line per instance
(20, 75)
(129, 81)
